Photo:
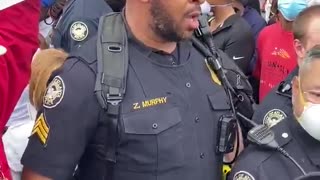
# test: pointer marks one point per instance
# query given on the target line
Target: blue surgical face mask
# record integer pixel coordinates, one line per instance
(291, 9)
(47, 3)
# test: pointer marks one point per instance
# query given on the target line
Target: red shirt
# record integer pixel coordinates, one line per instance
(19, 35)
(276, 57)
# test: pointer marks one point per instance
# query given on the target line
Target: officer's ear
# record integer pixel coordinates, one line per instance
(295, 89)
(300, 50)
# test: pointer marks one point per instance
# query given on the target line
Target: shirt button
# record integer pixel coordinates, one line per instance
(197, 119)
(154, 126)
(202, 155)
(188, 85)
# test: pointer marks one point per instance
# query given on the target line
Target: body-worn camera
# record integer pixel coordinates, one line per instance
(227, 129)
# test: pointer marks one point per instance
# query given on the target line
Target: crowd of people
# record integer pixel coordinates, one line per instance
(160, 89)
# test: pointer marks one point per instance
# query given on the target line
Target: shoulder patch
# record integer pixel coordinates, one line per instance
(243, 175)
(54, 93)
(273, 117)
(79, 31)
(41, 129)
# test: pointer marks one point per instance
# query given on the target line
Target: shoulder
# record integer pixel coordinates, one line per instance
(268, 29)
(240, 22)
(245, 33)
(249, 171)
(74, 81)
(277, 104)
(273, 109)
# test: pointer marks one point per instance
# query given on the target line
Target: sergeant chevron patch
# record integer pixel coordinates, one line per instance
(41, 129)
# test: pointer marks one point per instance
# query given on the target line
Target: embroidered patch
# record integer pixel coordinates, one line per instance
(54, 93)
(273, 117)
(41, 129)
(79, 31)
(243, 175)
(149, 103)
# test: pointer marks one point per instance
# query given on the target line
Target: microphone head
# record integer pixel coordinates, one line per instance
(310, 176)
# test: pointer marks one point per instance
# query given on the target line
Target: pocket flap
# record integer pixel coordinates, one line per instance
(219, 101)
(152, 121)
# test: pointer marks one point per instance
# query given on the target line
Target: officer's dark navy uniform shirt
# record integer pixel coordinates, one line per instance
(277, 105)
(78, 23)
(235, 38)
(168, 120)
(256, 163)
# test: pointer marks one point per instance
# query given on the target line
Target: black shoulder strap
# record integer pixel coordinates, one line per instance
(112, 56)
(112, 67)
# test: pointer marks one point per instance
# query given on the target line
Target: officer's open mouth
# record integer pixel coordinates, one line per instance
(193, 20)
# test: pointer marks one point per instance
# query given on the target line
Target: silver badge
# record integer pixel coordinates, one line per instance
(273, 117)
(243, 175)
(54, 93)
(79, 31)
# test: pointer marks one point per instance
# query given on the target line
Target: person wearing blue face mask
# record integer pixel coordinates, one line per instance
(276, 56)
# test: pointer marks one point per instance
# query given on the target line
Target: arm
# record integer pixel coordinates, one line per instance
(64, 126)
(245, 170)
(29, 174)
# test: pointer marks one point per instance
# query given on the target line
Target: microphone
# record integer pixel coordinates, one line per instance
(264, 137)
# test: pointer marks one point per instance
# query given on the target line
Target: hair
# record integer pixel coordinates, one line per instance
(312, 55)
(301, 23)
(43, 65)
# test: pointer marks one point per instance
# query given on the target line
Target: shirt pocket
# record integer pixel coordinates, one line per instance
(219, 101)
(152, 140)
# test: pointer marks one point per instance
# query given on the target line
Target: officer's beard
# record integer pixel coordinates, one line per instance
(162, 24)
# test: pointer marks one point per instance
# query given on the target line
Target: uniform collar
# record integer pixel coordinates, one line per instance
(228, 23)
(285, 87)
(309, 145)
(181, 53)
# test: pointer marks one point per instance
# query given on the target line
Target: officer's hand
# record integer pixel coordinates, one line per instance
(28, 174)
(230, 156)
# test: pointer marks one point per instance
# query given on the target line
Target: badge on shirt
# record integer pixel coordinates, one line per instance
(79, 31)
(273, 117)
(243, 175)
(54, 93)
(41, 129)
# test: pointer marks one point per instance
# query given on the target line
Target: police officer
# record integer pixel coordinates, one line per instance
(277, 104)
(297, 135)
(168, 120)
(78, 22)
